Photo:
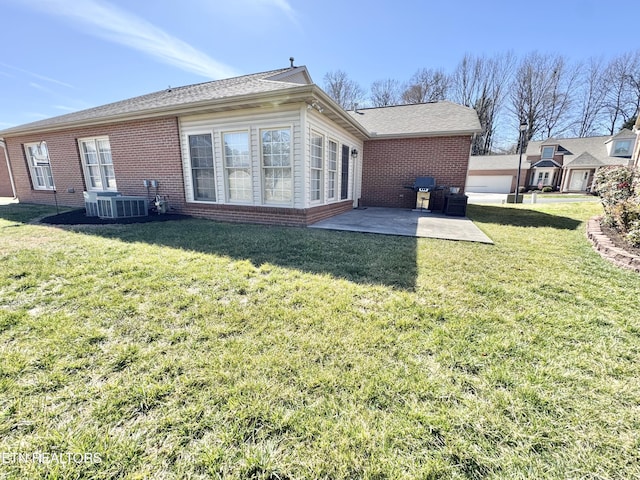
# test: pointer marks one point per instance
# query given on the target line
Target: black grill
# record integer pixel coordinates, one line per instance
(423, 184)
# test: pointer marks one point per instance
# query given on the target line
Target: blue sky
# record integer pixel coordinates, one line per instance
(60, 56)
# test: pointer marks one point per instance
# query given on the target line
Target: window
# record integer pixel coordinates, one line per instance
(317, 160)
(622, 148)
(332, 169)
(276, 165)
(547, 152)
(543, 178)
(202, 172)
(97, 163)
(39, 165)
(344, 180)
(237, 165)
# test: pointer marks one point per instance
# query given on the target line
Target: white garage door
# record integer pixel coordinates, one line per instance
(489, 183)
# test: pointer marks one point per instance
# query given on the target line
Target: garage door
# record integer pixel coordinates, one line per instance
(489, 183)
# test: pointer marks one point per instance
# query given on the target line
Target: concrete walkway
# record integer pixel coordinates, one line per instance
(409, 223)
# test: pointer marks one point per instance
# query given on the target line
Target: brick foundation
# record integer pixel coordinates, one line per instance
(267, 215)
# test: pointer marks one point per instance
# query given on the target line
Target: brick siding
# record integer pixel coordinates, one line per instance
(391, 164)
(148, 149)
(5, 180)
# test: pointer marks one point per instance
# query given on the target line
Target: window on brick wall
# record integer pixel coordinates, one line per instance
(237, 165)
(276, 165)
(97, 163)
(202, 171)
(316, 164)
(332, 169)
(39, 165)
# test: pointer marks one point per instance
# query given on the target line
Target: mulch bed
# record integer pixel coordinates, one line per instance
(78, 217)
(618, 240)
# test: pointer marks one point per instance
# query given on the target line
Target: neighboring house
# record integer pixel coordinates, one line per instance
(564, 164)
(495, 173)
(270, 147)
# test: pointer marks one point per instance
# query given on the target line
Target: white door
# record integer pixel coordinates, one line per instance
(578, 180)
(489, 183)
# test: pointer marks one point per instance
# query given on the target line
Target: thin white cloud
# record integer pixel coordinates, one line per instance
(34, 75)
(65, 108)
(37, 86)
(110, 22)
(282, 5)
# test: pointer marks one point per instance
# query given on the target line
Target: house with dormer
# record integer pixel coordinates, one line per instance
(564, 164)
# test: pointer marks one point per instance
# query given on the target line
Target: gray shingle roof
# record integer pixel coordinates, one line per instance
(175, 97)
(418, 119)
(587, 152)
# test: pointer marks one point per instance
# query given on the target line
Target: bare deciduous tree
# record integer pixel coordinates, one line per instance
(541, 94)
(346, 92)
(426, 85)
(481, 83)
(385, 92)
(621, 81)
(590, 99)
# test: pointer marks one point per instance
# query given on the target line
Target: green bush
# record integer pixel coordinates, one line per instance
(547, 189)
(619, 191)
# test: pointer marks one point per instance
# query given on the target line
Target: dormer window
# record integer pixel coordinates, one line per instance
(622, 148)
(547, 152)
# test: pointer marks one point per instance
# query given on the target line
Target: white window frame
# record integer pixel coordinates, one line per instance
(102, 167)
(192, 182)
(264, 168)
(332, 173)
(228, 169)
(627, 151)
(39, 166)
(553, 151)
(316, 195)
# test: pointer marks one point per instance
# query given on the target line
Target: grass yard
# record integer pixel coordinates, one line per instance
(197, 349)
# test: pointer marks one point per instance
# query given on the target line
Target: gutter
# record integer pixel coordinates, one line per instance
(6, 157)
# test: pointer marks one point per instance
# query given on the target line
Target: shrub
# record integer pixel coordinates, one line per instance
(619, 191)
(547, 189)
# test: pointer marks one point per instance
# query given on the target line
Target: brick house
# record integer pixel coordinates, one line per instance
(270, 147)
(564, 164)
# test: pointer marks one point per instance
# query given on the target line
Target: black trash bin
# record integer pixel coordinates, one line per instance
(455, 205)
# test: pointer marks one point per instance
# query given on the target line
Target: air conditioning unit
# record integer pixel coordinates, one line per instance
(91, 201)
(122, 207)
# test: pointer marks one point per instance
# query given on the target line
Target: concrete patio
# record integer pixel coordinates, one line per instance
(409, 223)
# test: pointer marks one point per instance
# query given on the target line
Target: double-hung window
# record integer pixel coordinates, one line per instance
(39, 165)
(97, 163)
(202, 171)
(276, 165)
(237, 165)
(332, 169)
(317, 160)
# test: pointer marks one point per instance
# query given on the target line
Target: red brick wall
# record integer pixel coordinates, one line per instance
(5, 181)
(391, 164)
(148, 149)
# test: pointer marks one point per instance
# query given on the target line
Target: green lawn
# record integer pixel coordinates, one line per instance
(197, 349)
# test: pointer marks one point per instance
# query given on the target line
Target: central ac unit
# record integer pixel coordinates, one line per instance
(122, 207)
(91, 201)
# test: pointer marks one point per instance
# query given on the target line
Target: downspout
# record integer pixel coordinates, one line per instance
(6, 156)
